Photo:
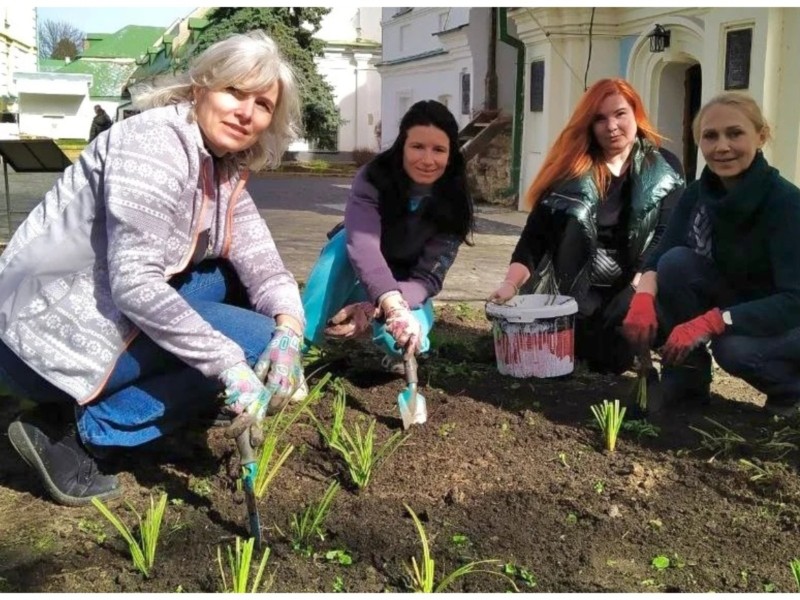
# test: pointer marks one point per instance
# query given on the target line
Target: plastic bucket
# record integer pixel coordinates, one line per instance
(534, 335)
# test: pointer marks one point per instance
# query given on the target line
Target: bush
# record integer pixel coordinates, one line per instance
(362, 156)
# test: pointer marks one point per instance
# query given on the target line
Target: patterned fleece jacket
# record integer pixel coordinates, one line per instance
(88, 270)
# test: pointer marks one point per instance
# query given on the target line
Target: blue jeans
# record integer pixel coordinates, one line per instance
(689, 285)
(333, 285)
(151, 392)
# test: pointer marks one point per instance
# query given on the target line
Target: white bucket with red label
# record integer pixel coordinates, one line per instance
(534, 335)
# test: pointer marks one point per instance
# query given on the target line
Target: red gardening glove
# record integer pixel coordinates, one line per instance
(640, 324)
(688, 336)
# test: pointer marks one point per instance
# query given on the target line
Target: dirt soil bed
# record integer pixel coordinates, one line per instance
(505, 469)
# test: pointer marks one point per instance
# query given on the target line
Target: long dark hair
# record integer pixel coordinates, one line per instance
(452, 211)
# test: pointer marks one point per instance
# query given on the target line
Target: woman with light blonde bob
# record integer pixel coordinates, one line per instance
(146, 284)
(727, 269)
(598, 205)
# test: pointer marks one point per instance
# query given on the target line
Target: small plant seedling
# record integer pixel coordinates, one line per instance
(310, 522)
(423, 575)
(239, 567)
(794, 564)
(359, 453)
(269, 460)
(518, 572)
(769, 587)
(200, 486)
(94, 529)
(572, 519)
(655, 524)
(599, 487)
(459, 539)
(641, 428)
(562, 456)
(332, 435)
(609, 417)
(338, 584)
(722, 441)
(660, 562)
(339, 556)
(446, 429)
(177, 501)
(760, 471)
(143, 554)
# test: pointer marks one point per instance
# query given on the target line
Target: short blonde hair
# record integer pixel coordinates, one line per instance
(744, 103)
(251, 58)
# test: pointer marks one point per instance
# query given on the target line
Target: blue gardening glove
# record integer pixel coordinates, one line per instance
(281, 367)
(247, 398)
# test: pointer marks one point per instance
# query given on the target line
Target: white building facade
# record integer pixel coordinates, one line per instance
(352, 39)
(439, 54)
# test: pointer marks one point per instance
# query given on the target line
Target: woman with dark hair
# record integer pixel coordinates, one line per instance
(408, 212)
(599, 205)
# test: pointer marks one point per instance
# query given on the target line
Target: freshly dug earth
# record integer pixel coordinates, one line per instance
(505, 469)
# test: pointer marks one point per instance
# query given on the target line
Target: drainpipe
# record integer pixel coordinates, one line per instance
(519, 101)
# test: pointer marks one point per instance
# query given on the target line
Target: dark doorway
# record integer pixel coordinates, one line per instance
(693, 86)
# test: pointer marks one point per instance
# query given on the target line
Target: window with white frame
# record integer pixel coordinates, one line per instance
(404, 32)
(443, 20)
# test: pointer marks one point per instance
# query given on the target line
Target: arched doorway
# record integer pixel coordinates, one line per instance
(670, 84)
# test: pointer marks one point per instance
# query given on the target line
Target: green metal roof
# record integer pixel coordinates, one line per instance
(48, 65)
(109, 77)
(129, 42)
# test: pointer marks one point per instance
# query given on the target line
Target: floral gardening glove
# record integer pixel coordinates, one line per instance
(400, 323)
(281, 365)
(352, 321)
(688, 336)
(247, 398)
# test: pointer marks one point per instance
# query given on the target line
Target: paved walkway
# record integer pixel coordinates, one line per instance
(301, 210)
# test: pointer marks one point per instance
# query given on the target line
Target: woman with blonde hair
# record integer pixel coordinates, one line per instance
(599, 205)
(727, 270)
(146, 283)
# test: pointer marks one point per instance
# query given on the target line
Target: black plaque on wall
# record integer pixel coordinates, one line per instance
(737, 59)
(465, 95)
(537, 86)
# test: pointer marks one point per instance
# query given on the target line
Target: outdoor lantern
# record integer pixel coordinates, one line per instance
(659, 39)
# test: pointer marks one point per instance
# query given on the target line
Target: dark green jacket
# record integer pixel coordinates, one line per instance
(652, 179)
(755, 244)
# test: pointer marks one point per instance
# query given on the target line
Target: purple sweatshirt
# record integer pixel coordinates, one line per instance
(412, 257)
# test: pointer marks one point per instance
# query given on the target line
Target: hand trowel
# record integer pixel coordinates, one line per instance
(411, 403)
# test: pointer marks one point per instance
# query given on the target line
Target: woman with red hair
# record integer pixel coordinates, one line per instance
(599, 206)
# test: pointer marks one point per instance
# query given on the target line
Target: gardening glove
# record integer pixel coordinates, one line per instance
(247, 398)
(688, 336)
(640, 324)
(399, 322)
(281, 367)
(352, 321)
(505, 292)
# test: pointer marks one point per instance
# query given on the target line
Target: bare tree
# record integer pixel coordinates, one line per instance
(59, 39)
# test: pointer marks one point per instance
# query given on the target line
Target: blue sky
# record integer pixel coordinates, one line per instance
(108, 20)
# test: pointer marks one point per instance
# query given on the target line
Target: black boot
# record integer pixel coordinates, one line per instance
(686, 384)
(786, 406)
(69, 473)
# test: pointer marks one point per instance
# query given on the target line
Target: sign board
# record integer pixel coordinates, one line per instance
(34, 156)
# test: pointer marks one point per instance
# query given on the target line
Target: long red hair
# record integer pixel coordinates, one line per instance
(574, 153)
